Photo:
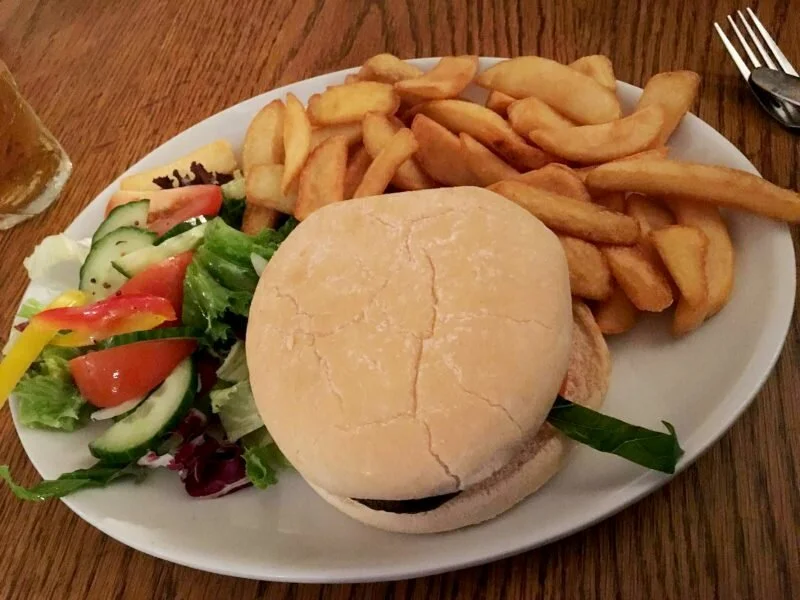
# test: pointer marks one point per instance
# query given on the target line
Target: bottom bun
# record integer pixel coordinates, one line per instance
(539, 458)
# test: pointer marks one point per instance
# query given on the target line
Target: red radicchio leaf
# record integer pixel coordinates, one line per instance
(192, 425)
(199, 176)
(207, 467)
(210, 469)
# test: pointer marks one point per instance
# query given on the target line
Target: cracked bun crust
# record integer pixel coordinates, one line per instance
(540, 457)
(408, 345)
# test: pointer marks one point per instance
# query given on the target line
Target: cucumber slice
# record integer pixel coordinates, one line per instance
(132, 214)
(97, 277)
(235, 189)
(181, 228)
(136, 262)
(131, 438)
(166, 333)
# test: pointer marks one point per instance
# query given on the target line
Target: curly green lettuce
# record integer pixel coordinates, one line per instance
(47, 397)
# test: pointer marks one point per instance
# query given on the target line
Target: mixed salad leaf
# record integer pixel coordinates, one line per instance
(220, 280)
(47, 397)
(30, 308)
(55, 263)
(262, 464)
(232, 398)
(233, 201)
(93, 477)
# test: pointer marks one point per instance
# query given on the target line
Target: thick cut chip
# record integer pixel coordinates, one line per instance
(263, 188)
(675, 93)
(349, 103)
(499, 102)
(350, 131)
(559, 179)
(720, 260)
(400, 148)
(640, 279)
(592, 144)
(486, 126)
(616, 314)
(263, 142)
(574, 217)
(440, 153)
(387, 68)
(257, 218)
(589, 275)
(446, 80)
(721, 186)
(322, 178)
(531, 113)
(378, 131)
(599, 68)
(486, 166)
(573, 94)
(296, 140)
(683, 250)
(357, 166)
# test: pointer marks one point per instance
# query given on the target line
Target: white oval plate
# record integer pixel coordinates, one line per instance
(701, 384)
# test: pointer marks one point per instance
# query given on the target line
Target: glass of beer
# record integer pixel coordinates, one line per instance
(33, 165)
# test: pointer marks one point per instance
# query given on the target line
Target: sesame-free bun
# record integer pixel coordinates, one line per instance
(410, 345)
(540, 457)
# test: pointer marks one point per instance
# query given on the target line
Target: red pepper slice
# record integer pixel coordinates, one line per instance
(102, 319)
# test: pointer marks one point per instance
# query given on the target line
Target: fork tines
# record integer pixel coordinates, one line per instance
(777, 60)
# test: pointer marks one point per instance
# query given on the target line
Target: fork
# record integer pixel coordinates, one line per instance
(775, 84)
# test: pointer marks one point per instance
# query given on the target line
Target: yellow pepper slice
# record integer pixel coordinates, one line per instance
(29, 345)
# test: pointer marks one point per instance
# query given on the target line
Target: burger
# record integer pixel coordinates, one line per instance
(406, 350)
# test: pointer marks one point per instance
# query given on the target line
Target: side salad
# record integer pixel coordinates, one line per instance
(145, 332)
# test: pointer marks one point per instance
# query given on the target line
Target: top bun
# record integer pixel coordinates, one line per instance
(403, 346)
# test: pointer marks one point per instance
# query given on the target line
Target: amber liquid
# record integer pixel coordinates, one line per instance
(33, 166)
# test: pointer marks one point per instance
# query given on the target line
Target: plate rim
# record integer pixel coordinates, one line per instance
(764, 359)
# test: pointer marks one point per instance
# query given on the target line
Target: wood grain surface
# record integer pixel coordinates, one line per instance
(113, 79)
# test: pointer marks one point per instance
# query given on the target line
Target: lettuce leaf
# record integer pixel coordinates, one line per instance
(220, 280)
(241, 278)
(30, 308)
(54, 361)
(48, 403)
(208, 304)
(233, 203)
(236, 409)
(234, 367)
(262, 464)
(268, 240)
(96, 476)
(236, 246)
(55, 263)
(47, 397)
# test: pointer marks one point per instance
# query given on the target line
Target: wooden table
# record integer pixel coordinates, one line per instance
(113, 80)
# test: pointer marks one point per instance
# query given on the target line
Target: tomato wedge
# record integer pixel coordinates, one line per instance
(163, 279)
(111, 377)
(170, 207)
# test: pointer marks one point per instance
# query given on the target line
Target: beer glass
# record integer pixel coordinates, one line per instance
(33, 165)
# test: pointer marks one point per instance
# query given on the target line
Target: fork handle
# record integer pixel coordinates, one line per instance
(777, 83)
